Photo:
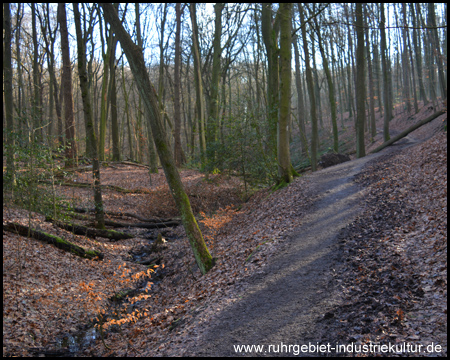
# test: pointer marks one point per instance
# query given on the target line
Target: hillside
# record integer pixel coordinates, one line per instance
(391, 266)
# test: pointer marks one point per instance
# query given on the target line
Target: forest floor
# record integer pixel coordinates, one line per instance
(352, 254)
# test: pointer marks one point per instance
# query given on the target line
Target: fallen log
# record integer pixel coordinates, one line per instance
(105, 186)
(60, 243)
(158, 225)
(124, 162)
(91, 233)
(409, 130)
(126, 214)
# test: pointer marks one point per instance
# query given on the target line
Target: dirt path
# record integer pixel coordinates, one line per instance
(283, 304)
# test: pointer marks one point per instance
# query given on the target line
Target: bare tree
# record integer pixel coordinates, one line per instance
(386, 77)
(135, 56)
(200, 102)
(7, 80)
(312, 97)
(178, 150)
(66, 83)
(360, 83)
(88, 118)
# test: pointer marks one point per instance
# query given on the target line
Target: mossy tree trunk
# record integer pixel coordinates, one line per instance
(54, 240)
(135, 57)
(360, 84)
(270, 29)
(88, 118)
(284, 159)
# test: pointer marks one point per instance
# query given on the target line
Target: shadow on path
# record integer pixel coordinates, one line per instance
(284, 302)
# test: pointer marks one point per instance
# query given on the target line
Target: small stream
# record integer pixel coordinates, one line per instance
(71, 345)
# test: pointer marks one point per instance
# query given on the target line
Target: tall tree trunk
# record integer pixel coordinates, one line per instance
(377, 72)
(7, 83)
(37, 109)
(161, 60)
(20, 88)
(88, 118)
(437, 50)
(178, 151)
(418, 54)
(405, 63)
(331, 95)
(300, 102)
(372, 125)
(113, 103)
(312, 98)
(360, 83)
(127, 112)
(106, 54)
(384, 66)
(351, 65)
(50, 39)
(200, 102)
(136, 59)
(66, 83)
(213, 118)
(269, 29)
(153, 161)
(283, 132)
(413, 76)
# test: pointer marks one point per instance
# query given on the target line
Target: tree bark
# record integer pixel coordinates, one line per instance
(283, 132)
(360, 83)
(104, 92)
(178, 150)
(54, 240)
(135, 56)
(66, 83)
(386, 78)
(269, 30)
(200, 102)
(91, 233)
(409, 130)
(300, 102)
(372, 124)
(152, 161)
(312, 98)
(437, 50)
(88, 118)
(213, 118)
(418, 54)
(405, 63)
(331, 91)
(8, 77)
(113, 103)
(37, 108)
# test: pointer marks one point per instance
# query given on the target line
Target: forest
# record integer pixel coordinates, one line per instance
(197, 179)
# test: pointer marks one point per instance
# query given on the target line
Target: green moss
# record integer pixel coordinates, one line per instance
(279, 185)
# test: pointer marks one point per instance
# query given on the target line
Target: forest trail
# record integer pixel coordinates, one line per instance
(283, 304)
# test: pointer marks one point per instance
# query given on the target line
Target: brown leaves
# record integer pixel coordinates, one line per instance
(395, 254)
